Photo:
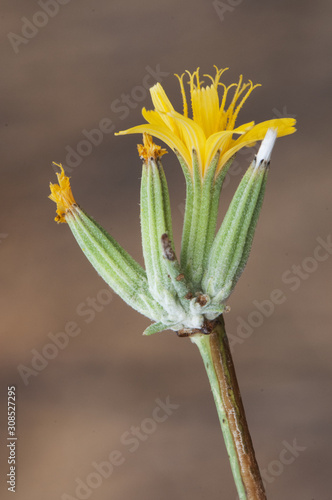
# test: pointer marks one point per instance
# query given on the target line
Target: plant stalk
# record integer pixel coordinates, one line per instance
(215, 351)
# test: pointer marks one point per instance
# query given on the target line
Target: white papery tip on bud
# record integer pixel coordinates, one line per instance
(264, 152)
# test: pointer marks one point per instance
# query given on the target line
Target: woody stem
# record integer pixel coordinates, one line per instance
(215, 351)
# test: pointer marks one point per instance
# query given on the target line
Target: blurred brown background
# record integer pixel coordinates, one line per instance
(61, 79)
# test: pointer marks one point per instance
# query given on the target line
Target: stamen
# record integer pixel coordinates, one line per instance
(216, 79)
(198, 83)
(239, 106)
(232, 104)
(224, 97)
(183, 93)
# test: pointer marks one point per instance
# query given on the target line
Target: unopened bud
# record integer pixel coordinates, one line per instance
(231, 248)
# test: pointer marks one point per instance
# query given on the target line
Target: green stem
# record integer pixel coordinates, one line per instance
(215, 351)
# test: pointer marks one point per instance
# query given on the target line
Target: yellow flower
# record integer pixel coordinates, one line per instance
(62, 195)
(212, 126)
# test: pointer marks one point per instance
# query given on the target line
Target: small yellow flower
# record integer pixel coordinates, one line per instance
(212, 126)
(62, 195)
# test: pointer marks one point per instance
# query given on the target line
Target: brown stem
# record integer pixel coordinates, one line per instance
(231, 397)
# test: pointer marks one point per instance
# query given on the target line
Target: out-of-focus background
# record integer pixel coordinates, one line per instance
(87, 382)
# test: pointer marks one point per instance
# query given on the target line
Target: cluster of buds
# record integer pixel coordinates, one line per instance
(186, 294)
(164, 292)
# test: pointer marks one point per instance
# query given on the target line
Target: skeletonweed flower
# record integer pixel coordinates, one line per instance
(205, 145)
(211, 128)
(189, 295)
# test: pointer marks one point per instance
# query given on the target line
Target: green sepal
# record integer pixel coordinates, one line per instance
(200, 222)
(201, 211)
(208, 213)
(188, 211)
(191, 221)
(155, 328)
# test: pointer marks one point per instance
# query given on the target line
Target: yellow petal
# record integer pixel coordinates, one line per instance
(284, 126)
(205, 104)
(192, 135)
(163, 105)
(212, 126)
(165, 135)
(217, 142)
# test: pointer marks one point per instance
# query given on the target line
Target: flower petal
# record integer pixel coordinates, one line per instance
(164, 134)
(212, 126)
(217, 142)
(192, 135)
(284, 126)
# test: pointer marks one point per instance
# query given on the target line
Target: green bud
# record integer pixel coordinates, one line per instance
(166, 282)
(231, 248)
(155, 221)
(120, 271)
(182, 297)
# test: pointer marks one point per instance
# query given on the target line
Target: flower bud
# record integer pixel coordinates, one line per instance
(232, 245)
(166, 284)
(120, 271)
